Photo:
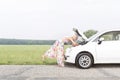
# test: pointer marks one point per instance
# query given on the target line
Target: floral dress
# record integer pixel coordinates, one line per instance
(57, 51)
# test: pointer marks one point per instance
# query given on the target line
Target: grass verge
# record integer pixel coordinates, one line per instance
(24, 55)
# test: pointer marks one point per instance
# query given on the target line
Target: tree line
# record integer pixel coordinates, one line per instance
(25, 42)
(88, 34)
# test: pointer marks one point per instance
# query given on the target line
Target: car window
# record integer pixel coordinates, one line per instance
(111, 36)
(117, 37)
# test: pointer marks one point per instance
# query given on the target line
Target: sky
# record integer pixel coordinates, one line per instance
(54, 19)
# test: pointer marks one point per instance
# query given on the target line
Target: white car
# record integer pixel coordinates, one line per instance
(103, 47)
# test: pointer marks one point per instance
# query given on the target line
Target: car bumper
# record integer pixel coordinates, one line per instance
(68, 56)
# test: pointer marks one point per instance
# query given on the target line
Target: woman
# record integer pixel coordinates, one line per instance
(57, 50)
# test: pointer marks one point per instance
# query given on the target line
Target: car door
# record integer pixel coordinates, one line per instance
(108, 51)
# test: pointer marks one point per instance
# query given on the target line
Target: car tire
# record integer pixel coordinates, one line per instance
(84, 60)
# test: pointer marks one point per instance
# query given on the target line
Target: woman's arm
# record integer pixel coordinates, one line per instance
(73, 42)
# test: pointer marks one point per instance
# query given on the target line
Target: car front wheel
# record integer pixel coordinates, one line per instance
(84, 60)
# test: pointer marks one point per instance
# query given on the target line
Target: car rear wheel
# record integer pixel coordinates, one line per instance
(84, 60)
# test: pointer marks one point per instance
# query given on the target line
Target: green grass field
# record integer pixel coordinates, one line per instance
(24, 55)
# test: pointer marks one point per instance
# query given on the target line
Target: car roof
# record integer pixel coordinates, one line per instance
(109, 30)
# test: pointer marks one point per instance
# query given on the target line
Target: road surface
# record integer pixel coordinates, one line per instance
(53, 72)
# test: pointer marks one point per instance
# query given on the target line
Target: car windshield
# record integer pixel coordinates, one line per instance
(93, 36)
(83, 41)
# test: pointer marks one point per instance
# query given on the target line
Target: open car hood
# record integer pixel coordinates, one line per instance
(81, 35)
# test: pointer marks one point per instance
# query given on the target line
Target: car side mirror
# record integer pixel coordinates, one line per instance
(100, 40)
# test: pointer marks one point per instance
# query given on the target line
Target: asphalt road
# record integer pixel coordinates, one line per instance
(53, 72)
